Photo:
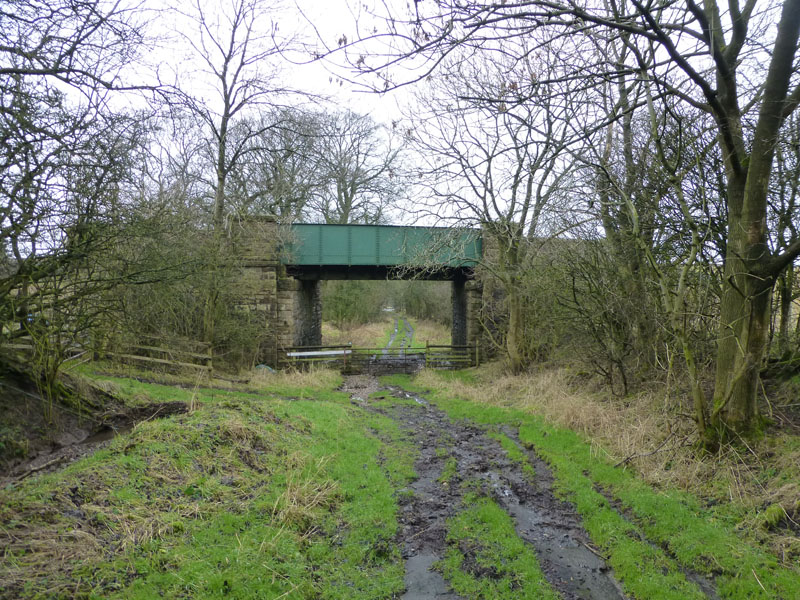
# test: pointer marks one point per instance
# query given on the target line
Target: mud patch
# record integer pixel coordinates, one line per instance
(86, 438)
(423, 518)
(360, 387)
(549, 525)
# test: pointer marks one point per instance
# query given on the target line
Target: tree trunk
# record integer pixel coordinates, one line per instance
(513, 338)
(750, 268)
(744, 328)
(785, 285)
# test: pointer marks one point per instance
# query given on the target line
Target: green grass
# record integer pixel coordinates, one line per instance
(449, 470)
(486, 558)
(246, 497)
(292, 492)
(684, 535)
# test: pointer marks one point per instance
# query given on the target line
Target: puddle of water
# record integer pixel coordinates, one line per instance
(579, 570)
(422, 582)
(416, 399)
(105, 434)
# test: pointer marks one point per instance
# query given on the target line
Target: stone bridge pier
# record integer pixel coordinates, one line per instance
(467, 297)
(285, 295)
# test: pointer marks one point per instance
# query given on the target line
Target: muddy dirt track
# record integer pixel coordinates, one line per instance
(548, 525)
(408, 335)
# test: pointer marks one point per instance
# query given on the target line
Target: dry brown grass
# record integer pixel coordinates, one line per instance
(372, 335)
(430, 331)
(307, 492)
(369, 335)
(314, 378)
(651, 433)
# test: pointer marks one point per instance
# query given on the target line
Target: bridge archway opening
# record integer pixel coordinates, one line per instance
(366, 252)
(360, 312)
(287, 270)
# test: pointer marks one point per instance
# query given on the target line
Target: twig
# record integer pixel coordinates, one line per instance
(758, 580)
(633, 456)
(593, 551)
(49, 463)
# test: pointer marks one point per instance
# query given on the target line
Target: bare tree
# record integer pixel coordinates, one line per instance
(359, 166)
(784, 201)
(279, 176)
(63, 156)
(238, 50)
(732, 62)
(495, 160)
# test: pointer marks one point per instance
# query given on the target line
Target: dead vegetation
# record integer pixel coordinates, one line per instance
(366, 335)
(371, 335)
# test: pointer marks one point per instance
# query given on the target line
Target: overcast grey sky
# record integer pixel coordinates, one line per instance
(307, 20)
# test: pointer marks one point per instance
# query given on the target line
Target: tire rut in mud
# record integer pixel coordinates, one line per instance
(550, 526)
(392, 336)
(396, 356)
(408, 335)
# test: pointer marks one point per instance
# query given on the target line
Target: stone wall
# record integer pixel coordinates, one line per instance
(264, 286)
(308, 327)
(467, 297)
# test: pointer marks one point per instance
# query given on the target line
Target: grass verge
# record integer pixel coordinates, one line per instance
(246, 496)
(756, 485)
(431, 332)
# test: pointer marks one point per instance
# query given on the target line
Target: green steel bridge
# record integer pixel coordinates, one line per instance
(379, 251)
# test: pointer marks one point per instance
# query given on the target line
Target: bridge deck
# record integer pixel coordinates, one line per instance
(366, 248)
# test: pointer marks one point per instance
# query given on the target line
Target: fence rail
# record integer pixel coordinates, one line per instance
(26, 346)
(166, 355)
(199, 357)
(382, 360)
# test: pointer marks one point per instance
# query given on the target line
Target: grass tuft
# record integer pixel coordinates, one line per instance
(486, 558)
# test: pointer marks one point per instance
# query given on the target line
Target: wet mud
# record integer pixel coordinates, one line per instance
(408, 339)
(549, 525)
(408, 335)
(76, 442)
